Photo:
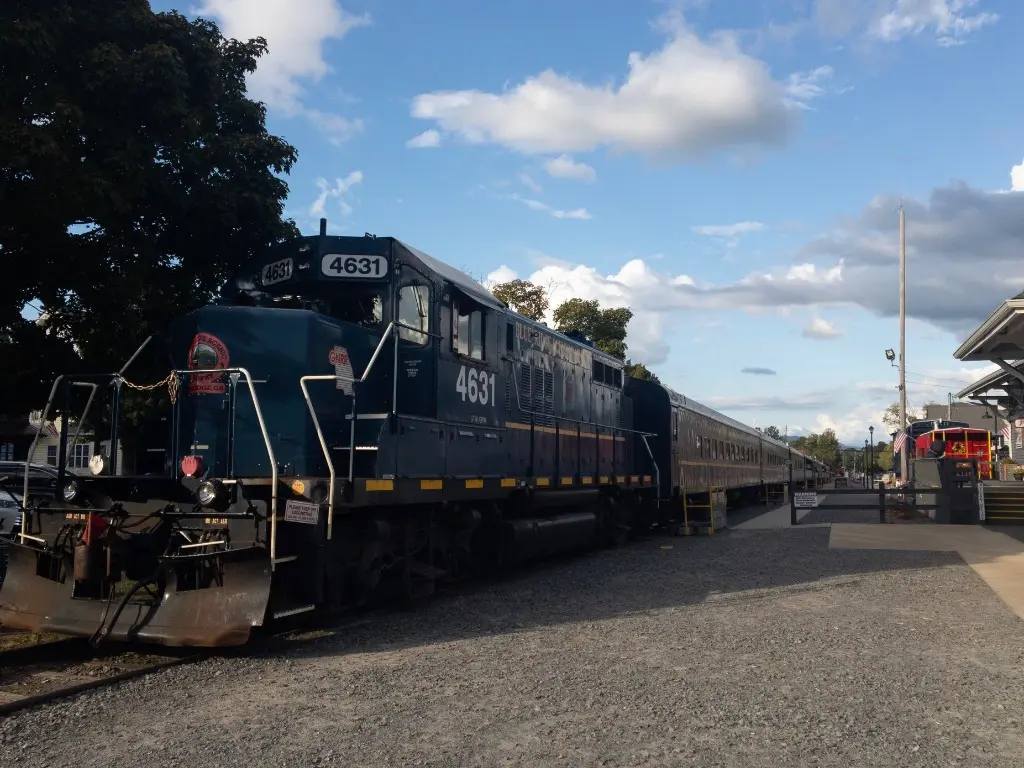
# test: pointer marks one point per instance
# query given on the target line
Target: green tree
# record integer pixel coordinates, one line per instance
(891, 419)
(640, 371)
(136, 176)
(772, 432)
(524, 297)
(605, 327)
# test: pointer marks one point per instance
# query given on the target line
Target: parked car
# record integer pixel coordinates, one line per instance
(10, 512)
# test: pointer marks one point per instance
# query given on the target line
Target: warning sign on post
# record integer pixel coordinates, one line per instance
(802, 499)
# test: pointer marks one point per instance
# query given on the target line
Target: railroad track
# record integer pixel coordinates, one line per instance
(40, 672)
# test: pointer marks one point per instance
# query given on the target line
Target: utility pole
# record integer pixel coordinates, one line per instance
(905, 454)
(949, 408)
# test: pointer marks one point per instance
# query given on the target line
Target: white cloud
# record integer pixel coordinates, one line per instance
(564, 167)
(821, 329)
(803, 87)
(1017, 178)
(425, 140)
(295, 49)
(339, 191)
(537, 205)
(527, 181)
(688, 98)
(728, 230)
(949, 20)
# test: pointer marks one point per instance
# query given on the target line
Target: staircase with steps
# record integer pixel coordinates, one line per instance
(1004, 502)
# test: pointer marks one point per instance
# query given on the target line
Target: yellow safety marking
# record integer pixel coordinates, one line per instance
(588, 434)
(508, 482)
(543, 481)
(431, 485)
(604, 479)
(516, 425)
(647, 478)
(566, 481)
(477, 483)
(634, 478)
(620, 478)
(587, 480)
(380, 485)
(298, 486)
(607, 437)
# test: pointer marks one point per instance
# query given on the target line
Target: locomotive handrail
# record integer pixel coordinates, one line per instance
(323, 445)
(362, 379)
(25, 514)
(657, 472)
(266, 442)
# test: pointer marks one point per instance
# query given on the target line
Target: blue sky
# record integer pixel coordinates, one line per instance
(729, 170)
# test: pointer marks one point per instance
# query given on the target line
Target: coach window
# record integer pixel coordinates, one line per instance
(468, 329)
(414, 313)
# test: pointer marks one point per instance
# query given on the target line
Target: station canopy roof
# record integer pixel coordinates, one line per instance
(1001, 337)
(992, 385)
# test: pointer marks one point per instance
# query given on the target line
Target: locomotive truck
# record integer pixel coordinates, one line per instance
(351, 418)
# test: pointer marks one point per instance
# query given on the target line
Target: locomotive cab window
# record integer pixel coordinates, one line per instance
(414, 313)
(468, 328)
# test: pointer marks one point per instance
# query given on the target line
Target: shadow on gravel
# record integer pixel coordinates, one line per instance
(648, 575)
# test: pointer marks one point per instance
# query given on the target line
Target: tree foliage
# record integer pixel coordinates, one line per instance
(524, 297)
(640, 371)
(136, 176)
(824, 447)
(891, 419)
(772, 432)
(605, 327)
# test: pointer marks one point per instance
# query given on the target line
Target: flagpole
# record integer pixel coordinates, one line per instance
(904, 456)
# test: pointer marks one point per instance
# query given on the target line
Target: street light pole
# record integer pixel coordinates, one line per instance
(865, 463)
(905, 454)
(871, 453)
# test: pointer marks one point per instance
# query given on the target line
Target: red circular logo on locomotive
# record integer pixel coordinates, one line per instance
(207, 351)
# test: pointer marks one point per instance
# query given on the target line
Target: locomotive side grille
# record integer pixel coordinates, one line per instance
(549, 399)
(508, 394)
(525, 395)
(537, 403)
(620, 406)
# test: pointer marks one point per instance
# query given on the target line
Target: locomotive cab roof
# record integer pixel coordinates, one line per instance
(315, 264)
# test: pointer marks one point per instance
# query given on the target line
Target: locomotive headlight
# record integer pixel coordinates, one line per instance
(97, 464)
(209, 491)
(70, 491)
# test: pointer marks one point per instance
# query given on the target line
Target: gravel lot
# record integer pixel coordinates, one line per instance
(759, 648)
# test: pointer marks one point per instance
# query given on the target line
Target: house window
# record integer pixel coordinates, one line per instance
(78, 455)
(6, 451)
(414, 313)
(468, 331)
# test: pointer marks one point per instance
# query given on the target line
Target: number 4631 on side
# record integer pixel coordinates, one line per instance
(476, 386)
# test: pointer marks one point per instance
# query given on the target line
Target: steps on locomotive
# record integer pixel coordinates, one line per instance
(1004, 502)
(294, 581)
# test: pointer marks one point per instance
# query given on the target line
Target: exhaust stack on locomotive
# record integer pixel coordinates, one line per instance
(352, 418)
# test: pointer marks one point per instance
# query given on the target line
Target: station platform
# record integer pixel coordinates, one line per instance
(995, 556)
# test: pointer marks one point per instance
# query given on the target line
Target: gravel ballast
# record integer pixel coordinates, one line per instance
(753, 648)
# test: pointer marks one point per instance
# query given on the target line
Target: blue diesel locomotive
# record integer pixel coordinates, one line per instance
(353, 418)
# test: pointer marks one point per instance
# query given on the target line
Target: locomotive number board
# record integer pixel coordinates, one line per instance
(354, 267)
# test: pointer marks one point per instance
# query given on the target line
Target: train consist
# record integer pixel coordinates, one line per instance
(353, 418)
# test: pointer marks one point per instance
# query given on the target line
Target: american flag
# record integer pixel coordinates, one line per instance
(901, 441)
(1005, 432)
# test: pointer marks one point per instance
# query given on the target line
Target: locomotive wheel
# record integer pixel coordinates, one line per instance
(614, 530)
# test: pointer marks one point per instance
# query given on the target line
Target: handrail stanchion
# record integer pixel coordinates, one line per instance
(323, 445)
